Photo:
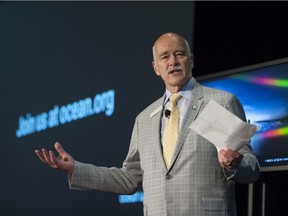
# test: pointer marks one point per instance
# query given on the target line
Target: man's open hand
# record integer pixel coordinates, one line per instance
(64, 161)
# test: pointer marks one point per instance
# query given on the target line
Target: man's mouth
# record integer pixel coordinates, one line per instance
(174, 70)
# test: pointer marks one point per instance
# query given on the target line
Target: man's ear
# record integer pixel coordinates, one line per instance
(155, 68)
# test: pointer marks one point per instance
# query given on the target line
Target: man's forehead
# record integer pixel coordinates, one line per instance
(168, 42)
(174, 49)
(166, 47)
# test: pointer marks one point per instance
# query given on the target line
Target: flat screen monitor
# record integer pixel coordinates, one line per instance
(263, 91)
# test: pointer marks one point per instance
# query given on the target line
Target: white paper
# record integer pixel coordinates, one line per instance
(222, 128)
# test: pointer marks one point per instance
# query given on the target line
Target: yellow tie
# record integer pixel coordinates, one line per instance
(171, 129)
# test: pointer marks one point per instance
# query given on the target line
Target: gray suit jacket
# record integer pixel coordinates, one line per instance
(195, 184)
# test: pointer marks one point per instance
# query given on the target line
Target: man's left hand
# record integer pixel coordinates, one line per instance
(229, 159)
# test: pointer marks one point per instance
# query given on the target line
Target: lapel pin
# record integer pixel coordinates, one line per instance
(194, 107)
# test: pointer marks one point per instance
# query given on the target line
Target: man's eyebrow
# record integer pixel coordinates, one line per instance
(165, 52)
(181, 50)
(162, 53)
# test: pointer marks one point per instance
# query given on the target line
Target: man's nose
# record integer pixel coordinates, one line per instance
(173, 60)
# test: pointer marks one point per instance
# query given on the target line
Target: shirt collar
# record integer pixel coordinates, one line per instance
(184, 91)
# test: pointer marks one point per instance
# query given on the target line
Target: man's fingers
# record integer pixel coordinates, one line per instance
(54, 161)
(59, 148)
(40, 156)
(46, 156)
(63, 162)
(229, 158)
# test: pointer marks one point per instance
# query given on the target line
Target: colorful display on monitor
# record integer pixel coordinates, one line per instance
(263, 91)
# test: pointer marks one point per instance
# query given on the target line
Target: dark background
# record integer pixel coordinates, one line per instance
(60, 52)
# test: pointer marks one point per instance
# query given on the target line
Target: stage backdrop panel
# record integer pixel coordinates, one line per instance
(77, 73)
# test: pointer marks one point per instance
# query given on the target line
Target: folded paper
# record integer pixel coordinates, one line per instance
(222, 128)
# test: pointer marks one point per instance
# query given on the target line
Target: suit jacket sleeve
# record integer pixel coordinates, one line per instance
(123, 180)
(248, 170)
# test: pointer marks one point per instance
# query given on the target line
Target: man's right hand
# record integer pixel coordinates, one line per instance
(64, 161)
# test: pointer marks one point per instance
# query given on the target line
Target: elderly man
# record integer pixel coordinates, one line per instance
(182, 173)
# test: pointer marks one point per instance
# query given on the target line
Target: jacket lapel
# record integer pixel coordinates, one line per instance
(194, 106)
(156, 117)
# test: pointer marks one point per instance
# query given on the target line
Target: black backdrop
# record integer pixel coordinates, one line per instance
(57, 53)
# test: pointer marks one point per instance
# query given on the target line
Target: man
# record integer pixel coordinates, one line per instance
(191, 179)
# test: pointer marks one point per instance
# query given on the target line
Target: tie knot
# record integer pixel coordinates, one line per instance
(174, 98)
